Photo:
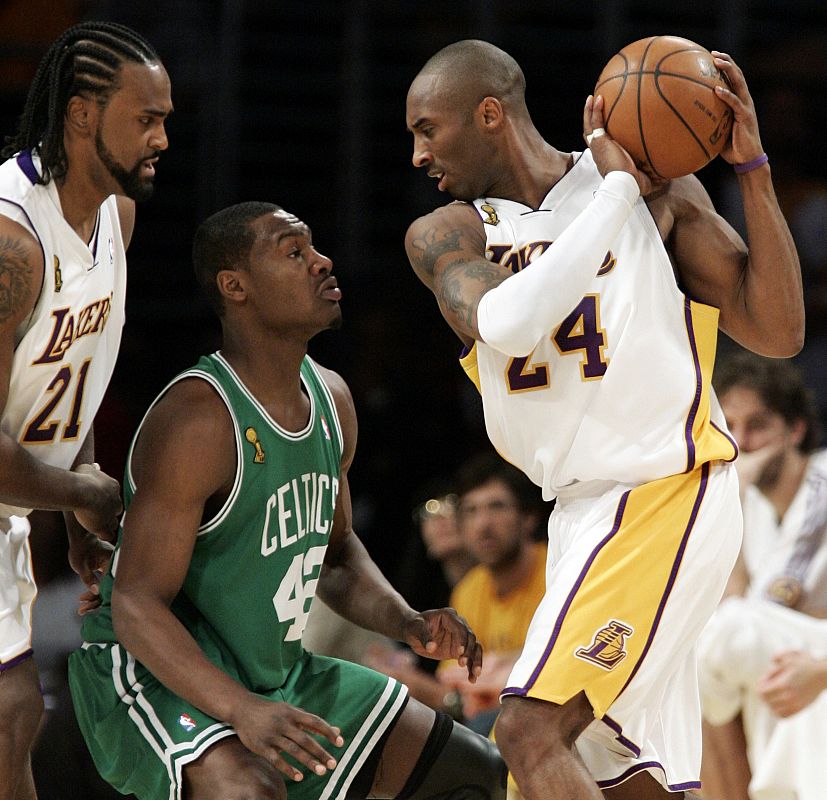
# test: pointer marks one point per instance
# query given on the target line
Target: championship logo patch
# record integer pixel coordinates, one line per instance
(187, 722)
(608, 648)
(252, 437)
(491, 218)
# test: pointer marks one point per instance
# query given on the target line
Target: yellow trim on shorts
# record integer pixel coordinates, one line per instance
(708, 443)
(611, 614)
(469, 363)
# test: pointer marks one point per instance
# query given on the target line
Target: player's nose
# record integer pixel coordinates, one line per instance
(321, 264)
(421, 157)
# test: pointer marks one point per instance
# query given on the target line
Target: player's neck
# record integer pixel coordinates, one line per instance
(534, 166)
(783, 490)
(270, 368)
(80, 198)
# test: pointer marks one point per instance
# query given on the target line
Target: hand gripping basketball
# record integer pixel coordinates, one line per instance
(608, 155)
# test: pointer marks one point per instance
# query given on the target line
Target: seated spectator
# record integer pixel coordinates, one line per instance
(763, 657)
(498, 516)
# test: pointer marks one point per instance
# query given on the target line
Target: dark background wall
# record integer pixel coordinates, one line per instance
(302, 103)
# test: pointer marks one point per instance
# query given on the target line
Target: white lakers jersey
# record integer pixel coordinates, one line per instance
(65, 351)
(620, 390)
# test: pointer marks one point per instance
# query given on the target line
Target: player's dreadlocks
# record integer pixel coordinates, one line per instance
(86, 60)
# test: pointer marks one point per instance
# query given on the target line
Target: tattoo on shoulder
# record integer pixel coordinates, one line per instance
(15, 278)
(429, 248)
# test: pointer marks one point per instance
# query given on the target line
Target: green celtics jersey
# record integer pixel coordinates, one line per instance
(255, 565)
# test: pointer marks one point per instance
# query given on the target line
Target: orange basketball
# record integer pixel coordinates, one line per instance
(660, 104)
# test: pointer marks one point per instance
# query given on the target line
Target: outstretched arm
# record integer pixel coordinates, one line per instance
(757, 288)
(353, 586)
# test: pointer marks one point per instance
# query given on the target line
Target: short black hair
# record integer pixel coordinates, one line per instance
(780, 386)
(475, 69)
(224, 241)
(485, 467)
(86, 61)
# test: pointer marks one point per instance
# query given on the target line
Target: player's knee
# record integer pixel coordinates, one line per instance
(456, 764)
(231, 772)
(241, 786)
(21, 703)
(546, 727)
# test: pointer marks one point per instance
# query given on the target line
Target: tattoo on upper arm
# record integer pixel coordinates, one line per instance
(428, 249)
(15, 278)
(452, 290)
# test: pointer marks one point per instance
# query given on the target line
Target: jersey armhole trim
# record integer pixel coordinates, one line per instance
(230, 501)
(332, 403)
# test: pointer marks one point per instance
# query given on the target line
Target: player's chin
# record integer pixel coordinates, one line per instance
(335, 321)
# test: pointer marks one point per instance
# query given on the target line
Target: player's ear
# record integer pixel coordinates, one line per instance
(490, 111)
(81, 114)
(231, 285)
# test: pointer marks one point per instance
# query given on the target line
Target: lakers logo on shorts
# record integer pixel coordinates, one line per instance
(608, 648)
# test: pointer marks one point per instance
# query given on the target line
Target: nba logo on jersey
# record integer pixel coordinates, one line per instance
(326, 429)
(186, 722)
(608, 648)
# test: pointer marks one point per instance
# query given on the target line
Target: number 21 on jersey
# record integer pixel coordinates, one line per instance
(580, 332)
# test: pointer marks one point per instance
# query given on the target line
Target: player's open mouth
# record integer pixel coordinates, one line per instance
(330, 291)
(148, 166)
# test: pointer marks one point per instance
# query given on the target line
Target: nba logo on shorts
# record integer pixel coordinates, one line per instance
(608, 648)
(186, 722)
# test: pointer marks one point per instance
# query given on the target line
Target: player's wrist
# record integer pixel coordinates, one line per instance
(749, 166)
(621, 185)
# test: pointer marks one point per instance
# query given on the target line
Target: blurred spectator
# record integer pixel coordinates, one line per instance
(437, 518)
(763, 657)
(498, 515)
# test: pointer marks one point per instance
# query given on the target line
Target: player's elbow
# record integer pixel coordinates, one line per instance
(786, 343)
(128, 614)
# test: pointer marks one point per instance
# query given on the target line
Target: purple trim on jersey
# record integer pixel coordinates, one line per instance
(618, 729)
(465, 351)
(93, 247)
(674, 573)
(6, 665)
(24, 161)
(729, 439)
(645, 765)
(621, 507)
(693, 410)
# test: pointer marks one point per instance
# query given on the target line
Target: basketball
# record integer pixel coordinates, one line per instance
(659, 103)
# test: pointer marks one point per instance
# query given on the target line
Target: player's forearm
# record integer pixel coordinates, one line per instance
(772, 290)
(25, 481)
(515, 315)
(354, 587)
(155, 637)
